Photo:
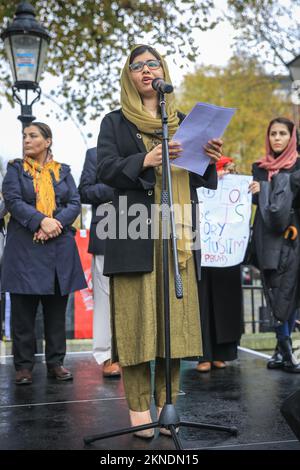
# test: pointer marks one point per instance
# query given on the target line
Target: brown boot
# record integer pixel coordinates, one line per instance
(23, 377)
(60, 373)
(203, 366)
(111, 369)
(137, 418)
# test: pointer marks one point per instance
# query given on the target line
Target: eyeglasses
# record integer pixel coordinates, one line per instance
(152, 64)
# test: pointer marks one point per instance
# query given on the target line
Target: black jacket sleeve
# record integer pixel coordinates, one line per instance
(122, 172)
(90, 191)
(68, 214)
(208, 180)
(295, 184)
(255, 174)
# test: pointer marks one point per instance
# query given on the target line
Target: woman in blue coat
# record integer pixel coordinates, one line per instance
(41, 261)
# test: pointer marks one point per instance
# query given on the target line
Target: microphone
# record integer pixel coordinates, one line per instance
(158, 84)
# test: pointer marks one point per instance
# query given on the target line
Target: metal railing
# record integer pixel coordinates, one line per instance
(256, 315)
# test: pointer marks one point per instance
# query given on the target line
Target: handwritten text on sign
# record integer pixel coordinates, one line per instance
(224, 221)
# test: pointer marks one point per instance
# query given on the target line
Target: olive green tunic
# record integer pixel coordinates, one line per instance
(138, 316)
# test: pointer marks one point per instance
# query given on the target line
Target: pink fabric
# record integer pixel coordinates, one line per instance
(286, 159)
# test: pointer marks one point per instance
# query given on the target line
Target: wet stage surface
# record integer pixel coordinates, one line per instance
(50, 415)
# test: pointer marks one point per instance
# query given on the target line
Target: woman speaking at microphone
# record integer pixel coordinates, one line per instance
(130, 160)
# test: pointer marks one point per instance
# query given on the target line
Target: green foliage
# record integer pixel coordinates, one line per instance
(90, 39)
(267, 29)
(244, 85)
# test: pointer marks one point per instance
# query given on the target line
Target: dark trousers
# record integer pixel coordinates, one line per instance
(286, 328)
(23, 311)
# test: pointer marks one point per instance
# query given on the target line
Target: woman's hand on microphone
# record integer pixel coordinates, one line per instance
(213, 149)
(154, 158)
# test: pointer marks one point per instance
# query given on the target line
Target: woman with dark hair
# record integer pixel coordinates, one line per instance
(129, 160)
(41, 261)
(275, 247)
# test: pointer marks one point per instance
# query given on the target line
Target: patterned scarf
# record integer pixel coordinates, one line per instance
(43, 183)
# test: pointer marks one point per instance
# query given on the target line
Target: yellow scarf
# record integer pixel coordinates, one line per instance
(134, 110)
(43, 183)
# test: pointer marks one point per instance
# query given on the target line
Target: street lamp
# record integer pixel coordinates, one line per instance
(26, 43)
(294, 69)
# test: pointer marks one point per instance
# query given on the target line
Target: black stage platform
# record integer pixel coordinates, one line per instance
(48, 415)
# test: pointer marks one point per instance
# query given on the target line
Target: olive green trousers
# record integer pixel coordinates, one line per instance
(137, 384)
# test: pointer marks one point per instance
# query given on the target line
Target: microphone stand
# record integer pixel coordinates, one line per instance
(169, 417)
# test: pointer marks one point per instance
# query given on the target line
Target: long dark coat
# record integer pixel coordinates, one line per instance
(28, 267)
(221, 298)
(120, 154)
(95, 194)
(276, 257)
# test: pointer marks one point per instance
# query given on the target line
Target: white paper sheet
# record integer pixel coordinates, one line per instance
(203, 123)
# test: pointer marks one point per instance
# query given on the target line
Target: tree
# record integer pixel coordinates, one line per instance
(244, 85)
(268, 29)
(90, 39)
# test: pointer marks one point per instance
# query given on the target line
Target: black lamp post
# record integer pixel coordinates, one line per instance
(26, 43)
(294, 69)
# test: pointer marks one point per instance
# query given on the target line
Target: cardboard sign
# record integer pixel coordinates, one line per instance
(225, 220)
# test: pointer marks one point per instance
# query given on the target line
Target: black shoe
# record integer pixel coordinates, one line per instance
(23, 377)
(291, 367)
(276, 361)
(290, 363)
(60, 373)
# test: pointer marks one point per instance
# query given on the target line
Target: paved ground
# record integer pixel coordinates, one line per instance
(50, 415)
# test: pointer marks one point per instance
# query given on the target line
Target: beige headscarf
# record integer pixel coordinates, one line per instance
(134, 110)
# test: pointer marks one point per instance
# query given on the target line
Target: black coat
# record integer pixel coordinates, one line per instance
(221, 305)
(120, 155)
(94, 193)
(278, 258)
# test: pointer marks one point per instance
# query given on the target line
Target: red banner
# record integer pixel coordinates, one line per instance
(83, 300)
